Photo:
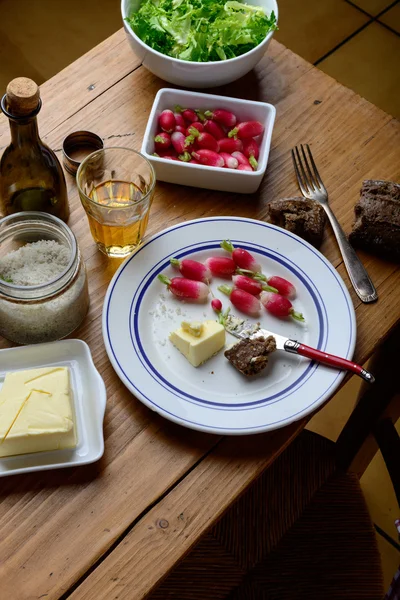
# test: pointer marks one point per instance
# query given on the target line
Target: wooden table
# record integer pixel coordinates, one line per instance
(112, 530)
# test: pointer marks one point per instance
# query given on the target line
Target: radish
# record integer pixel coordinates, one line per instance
(194, 162)
(252, 286)
(180, 129)
(221, 266)
(230, 161)
(162, 141)
(169, 152)
(243, 301)
(179, 120)
(241, 158)
(187, 113)
(242, 258)
(167, 121)
(247, 129)
(215, 129)
(252, 151)
(222, 116)
(279, 306)
(283, 286)
(192, 269)
(193, 127)
(203, 139)
(244, 168)
(208, 157)
(178, 142)
(230, 145)
(186, 289)
(216, 305)
(207, 141)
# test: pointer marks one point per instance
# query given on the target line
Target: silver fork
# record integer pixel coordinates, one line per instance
(311, 186)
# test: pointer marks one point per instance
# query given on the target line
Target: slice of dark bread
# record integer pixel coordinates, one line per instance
(251, 356)
(377, 225)
(301, 216)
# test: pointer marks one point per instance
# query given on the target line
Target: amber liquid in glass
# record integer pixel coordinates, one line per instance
(119, 222)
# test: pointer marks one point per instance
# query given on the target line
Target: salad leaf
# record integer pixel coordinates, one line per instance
(201, 30)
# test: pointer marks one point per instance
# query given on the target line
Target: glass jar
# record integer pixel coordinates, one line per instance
(48, 311)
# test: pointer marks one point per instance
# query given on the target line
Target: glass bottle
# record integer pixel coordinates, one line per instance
(31, 177)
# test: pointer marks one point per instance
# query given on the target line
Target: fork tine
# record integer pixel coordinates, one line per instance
(310, 175)
(302, 187)
(307, 182)
(315, 168)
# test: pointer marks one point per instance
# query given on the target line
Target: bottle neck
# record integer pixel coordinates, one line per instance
(24, 132)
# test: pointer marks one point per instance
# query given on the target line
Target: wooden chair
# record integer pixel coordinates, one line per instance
(302, 531)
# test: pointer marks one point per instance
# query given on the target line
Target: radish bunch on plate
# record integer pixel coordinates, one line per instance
(251, 289)
(214, 138)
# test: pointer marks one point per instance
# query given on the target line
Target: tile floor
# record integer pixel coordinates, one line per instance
(355, 41)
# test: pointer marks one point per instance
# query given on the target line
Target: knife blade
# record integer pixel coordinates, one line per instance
(243, 329)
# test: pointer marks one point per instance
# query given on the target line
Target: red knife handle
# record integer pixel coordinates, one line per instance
(328, 359)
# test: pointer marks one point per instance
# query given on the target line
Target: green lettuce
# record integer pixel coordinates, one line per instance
(201, 30)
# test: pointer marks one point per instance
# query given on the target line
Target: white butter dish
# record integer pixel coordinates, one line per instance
(88, 397)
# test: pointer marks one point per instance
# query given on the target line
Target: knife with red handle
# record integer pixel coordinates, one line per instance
(242, 328)
(331, 360)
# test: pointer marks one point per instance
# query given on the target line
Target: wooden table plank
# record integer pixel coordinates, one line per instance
(80, 83)
(170, 529)
(55, 526)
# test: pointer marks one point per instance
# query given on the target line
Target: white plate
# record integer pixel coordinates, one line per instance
(139, 314)
(89, 399)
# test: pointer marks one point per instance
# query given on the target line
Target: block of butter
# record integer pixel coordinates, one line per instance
(36, 411)
(199, 348)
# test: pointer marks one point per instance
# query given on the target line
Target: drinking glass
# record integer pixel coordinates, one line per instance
(116, 188)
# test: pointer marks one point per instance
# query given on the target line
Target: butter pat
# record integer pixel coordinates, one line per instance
(198, 349)
(194, 327)
(36, 411)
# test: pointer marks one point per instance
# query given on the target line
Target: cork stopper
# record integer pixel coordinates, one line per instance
(22, 96)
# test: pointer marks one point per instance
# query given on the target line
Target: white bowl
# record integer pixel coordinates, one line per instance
(213, 178)
(195, 74)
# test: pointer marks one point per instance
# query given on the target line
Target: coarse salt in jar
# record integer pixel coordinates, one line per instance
(43, 286)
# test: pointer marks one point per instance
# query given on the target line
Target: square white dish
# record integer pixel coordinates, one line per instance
(214, 178)
(88, 396)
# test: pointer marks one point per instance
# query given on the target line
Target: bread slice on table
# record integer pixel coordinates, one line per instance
(377, 225)
(306, 218)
